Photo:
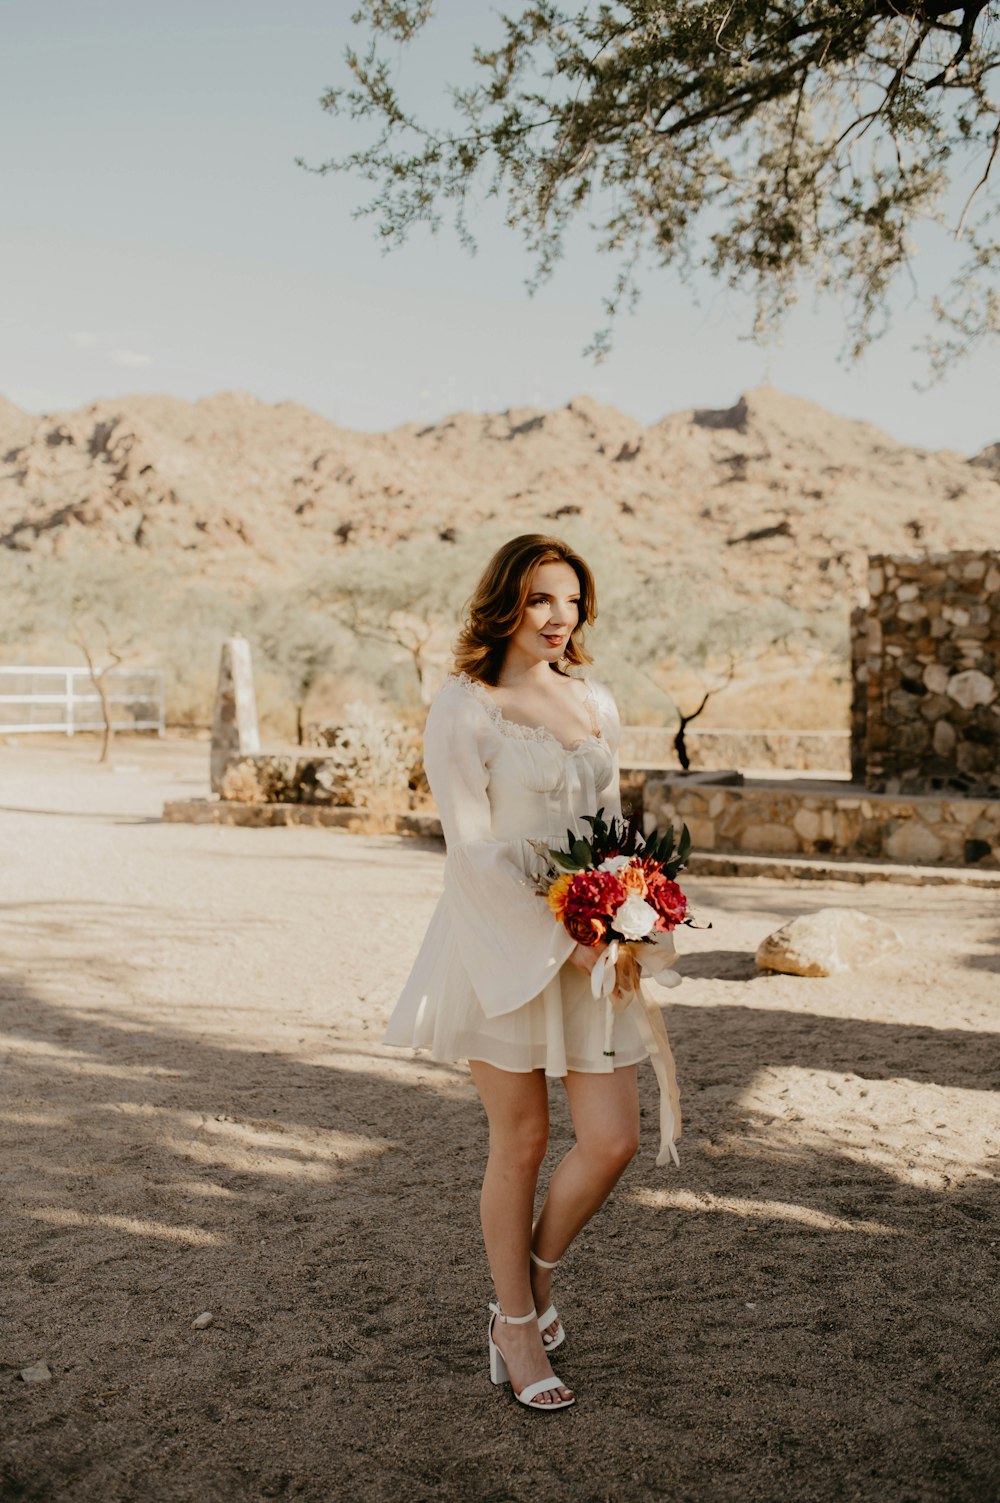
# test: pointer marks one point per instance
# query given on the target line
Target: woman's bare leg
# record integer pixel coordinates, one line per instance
(605, 1112)
(517, 1108)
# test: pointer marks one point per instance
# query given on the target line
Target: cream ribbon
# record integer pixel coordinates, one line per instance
(617, 977)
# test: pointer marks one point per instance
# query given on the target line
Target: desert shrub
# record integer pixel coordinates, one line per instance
(375, 759)
(241, 785)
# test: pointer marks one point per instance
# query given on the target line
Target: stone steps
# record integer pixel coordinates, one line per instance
(708, 864)
(834, 869)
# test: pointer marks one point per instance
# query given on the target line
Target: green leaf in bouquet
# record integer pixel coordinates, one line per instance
(598, 829)
(665, 845)
(566, 861)
(673, 866)
(581, 850)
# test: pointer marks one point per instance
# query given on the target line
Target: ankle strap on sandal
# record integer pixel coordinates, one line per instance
(512, 1320)
(541, 1261)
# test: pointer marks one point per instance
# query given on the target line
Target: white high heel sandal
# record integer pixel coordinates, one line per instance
(551, 1314)
(499, 1373)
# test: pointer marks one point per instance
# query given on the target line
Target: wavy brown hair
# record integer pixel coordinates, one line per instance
(494, 612)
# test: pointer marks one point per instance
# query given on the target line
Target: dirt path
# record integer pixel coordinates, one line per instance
(197, 1115)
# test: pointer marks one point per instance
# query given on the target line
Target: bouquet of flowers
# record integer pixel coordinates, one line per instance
(617, 888)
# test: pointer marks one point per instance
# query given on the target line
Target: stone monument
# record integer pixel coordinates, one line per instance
(234, 722)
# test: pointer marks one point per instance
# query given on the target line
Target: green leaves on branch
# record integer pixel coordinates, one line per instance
(773, 144)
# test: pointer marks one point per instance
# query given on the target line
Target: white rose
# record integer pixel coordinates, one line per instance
(614, 863)
(635, 918)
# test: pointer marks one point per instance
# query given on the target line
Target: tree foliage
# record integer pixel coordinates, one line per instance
(774, 144)
(409, 600)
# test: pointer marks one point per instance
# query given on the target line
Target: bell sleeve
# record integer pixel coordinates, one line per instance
(509, 942)
(610, 796)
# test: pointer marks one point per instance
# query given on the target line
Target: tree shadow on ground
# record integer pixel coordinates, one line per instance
(816, 1326)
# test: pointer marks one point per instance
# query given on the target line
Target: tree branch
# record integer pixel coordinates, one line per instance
(981, 183)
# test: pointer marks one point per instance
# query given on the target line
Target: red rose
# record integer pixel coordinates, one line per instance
(597, 894)
(584, 928)
(591, 899)
(666, 897)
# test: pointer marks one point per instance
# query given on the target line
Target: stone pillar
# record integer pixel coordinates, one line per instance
(234, 723)
(859, 692)
(933, 718)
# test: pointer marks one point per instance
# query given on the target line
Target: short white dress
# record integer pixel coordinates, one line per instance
(492, 980)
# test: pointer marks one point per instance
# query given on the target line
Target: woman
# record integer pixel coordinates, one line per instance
(516, 748)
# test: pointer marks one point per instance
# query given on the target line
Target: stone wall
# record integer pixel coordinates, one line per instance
(859, 691)
(931, 674)
(651, 746)
(850, 823)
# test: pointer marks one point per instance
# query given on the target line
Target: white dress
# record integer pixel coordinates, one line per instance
(491, 981)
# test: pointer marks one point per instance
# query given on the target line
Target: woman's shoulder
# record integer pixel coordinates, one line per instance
(460, 700)
(591, 686)
(602, 698)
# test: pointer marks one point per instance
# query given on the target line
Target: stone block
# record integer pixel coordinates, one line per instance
(978, 760)
(904, 704)
(843, 830)
(702, 832)
(806, 823)
(967, 812)
(972, 688)
(914, 844)
(769, 839)
(944, 739)
(912, 739)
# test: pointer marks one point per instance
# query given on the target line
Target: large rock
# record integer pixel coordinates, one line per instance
(825, 942)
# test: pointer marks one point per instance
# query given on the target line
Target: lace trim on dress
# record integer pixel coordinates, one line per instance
(519, 732)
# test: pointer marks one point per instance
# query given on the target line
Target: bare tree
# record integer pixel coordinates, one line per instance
(101, 664)
(408, 599)
(295, 641)
(685, 718)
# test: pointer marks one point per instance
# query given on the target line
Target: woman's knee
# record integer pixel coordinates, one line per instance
(616, 1149)
(523, 1146)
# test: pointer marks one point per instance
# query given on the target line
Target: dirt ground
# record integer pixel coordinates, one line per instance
(197, 1115)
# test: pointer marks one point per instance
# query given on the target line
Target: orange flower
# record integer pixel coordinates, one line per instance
(556, 895)
(633, 879)
(585, 928)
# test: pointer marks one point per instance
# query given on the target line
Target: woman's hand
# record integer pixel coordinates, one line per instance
(585, 957)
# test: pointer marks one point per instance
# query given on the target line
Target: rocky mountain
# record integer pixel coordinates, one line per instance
(773, 495)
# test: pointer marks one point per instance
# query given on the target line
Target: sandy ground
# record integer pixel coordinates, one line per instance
(197, 1114)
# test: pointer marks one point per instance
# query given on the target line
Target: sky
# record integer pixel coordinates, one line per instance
(157, 236)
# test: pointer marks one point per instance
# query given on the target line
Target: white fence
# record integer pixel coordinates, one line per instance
(66, 699)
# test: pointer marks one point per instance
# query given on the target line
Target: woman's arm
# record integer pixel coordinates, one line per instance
(510, 943)
(611, 731)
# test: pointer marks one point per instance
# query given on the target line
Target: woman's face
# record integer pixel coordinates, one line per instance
(550, 615)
